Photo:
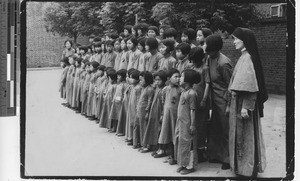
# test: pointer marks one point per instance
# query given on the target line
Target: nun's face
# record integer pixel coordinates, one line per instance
(239, 44)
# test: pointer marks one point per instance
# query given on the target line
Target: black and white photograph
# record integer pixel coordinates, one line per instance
(155, 90)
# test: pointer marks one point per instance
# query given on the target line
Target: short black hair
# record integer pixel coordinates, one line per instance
(78, 60)
(98, 44)
(114, 35)
(95, 64)
(214, 43)
(122, 73)
(154, 28)
(97, 39)
(143, 27)
(148, 77)
(84, 48)
(191, 76)
(112, 74)
(170, 32)
(205, 31)
(172, 71)
(128, 28)
(170, 44)
(130, 71)
(152, 43)
(161, 74)
(101, 67)
(65, 60)
(184, 48)
(196, 55)
(109, 43)
(191, 33)
(69, 42)
(135, 75)
(134, 40)
(142, 41)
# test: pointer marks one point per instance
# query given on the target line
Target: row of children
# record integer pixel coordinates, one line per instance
(158, 93)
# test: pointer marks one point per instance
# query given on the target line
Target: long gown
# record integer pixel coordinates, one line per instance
(220, 71)
(246, 144)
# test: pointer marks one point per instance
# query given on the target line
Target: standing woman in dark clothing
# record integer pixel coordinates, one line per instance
(248, 93)
(220, 71)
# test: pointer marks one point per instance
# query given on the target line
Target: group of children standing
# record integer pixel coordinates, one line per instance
(144, 85)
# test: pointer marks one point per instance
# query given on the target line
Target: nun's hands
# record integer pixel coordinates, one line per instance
(227, 111)
(244, 113)
(192, 130)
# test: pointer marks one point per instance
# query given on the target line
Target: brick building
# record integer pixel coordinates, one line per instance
(44, 49)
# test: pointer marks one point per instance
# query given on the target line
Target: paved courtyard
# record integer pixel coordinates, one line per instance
(60, 142)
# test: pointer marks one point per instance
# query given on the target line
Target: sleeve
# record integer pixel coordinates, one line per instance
(192, 99)
(206, 75)
(226, 72)
(249, 99)
(150, 99)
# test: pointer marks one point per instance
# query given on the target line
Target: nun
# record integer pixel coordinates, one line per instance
(248, 94)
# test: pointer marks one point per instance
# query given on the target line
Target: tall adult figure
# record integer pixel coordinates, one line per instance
(69, 50)
(248, 94)
(220, 71)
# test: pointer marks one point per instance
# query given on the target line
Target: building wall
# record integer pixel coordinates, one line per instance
(43, 49)
(271, 40)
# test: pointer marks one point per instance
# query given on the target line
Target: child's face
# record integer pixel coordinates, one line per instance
(119, 78)
(170, 38)
(162, 49)
(132, 80)
(89, 50)
(151, 33)
(133, 31)
(200, 38)
(126, 33)
(92, 68)
(68, 45)
(76, 64)
(62, 64)
(179, 54)
(97, 49)
(100, 72)
(139, 31)
(117, 45)
(140, 47)
(77, 50)
(71, 60)
(106, 38)
(184, 38)
(91, 40)
(82, 65)
(175, 79)
(129, 45)
(109, 48)
(161, 32)
(147, 48)
(181, 80)
(158, 81)
(142, 81)
(123, 45)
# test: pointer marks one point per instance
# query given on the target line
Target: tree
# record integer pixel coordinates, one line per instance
(72, 19)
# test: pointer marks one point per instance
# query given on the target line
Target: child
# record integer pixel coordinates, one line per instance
(189, 36)
(124, 55)
(171, 33)
(202, 89)
(85, 89)
(70, 80)
(202, 33)
(64, 63)
(78, 71)
(118, 51)
(132, 106)
(143, 108)
(81, 77)
(100, 82)
(127, 31)
(91, 92)
(153, 33)
(110, 56)
(122, 124)
(162, 30)
(100, 92)
(171, 95)
(117, 99)
(144, 56)
(108, 95)
(185, 134)
(154, 122)
(182, 52)
(97, 57)
(134, 30)
(152, 62)
(142, 29)
(168, 61)
(134, 53)
(83, 53)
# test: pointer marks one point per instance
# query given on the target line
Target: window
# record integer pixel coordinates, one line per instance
(278, 10)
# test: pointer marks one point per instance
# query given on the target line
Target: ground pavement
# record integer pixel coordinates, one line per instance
(60, 142)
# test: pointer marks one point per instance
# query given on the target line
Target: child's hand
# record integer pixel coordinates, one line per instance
(227, 111)
(146, 116)
(192, 130)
